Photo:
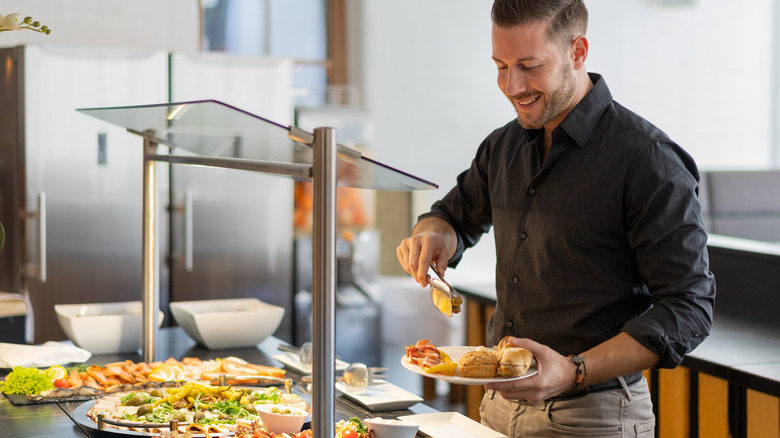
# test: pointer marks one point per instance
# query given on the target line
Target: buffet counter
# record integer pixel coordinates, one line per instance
(57, 419)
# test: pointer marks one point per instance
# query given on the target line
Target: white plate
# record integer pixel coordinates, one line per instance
(292, 361)
(450, 425)
(383, 396)
(455, 353)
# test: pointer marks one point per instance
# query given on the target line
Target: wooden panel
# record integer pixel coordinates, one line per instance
(673, 421)
(337, 42)
(713, 407)
(763, 415)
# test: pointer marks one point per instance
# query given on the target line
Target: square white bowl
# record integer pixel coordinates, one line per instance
(103, 328)
(228, 323)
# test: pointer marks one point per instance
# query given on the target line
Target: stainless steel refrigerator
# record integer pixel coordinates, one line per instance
(233, 230)
(71, 186)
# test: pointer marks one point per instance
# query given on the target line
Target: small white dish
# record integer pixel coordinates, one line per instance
(382, 396)
(279, 423)
(390, 428)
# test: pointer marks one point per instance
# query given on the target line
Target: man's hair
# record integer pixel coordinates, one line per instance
(568, 18)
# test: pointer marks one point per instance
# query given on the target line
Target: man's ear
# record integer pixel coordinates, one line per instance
(579, 51)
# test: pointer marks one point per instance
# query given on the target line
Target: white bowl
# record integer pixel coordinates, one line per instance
(386, 428)
(103, 328)
(230, 323)
(281, 423)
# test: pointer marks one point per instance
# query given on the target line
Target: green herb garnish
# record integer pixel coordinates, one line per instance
(359, 427)
(26, 380)
(271, 395)
(231, 408)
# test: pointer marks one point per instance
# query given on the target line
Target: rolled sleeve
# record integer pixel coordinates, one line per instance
(669, 241)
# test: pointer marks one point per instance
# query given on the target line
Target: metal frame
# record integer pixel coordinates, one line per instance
(323, 176)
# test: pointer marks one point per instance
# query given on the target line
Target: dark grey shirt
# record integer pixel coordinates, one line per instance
(605, 236)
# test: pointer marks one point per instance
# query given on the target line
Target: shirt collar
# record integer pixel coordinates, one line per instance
(581, 120)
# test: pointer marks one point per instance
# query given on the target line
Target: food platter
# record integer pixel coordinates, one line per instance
(455, 352)
(79, 415)
(87, 382)
(196, 409)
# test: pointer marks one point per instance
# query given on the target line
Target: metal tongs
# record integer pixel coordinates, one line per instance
(444, 297)
(222, 380)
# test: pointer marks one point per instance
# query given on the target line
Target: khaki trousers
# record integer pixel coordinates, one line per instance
(617, 413)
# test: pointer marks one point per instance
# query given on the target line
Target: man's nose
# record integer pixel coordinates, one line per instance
(516, 83)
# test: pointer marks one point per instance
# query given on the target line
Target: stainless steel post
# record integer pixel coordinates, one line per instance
(324, 283)
(151, 295)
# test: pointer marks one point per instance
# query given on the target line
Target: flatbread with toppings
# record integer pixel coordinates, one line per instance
(196, 407)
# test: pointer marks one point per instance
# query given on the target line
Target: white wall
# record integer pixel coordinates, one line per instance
(429, 83)
(172, 25)
(701, 73)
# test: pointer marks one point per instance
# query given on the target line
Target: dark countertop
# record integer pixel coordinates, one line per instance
(55, 419)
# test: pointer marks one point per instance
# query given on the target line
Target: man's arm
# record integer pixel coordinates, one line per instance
(618, 356)
(432, 239)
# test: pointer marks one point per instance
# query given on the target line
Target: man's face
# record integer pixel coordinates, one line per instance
(535, 74)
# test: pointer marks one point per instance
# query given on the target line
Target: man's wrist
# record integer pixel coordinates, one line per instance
(579, 376)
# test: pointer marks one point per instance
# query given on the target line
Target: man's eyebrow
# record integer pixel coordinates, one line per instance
(527, 58)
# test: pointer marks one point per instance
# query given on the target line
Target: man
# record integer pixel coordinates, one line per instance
(600, 246)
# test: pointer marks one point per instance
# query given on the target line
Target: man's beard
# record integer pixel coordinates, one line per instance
(558, 101)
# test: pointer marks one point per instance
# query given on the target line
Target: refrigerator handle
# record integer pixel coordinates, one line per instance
(186, 211)
(188, 229)
(42, 236)
(40, 270)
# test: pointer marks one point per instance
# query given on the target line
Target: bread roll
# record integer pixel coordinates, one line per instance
(504, 343)
(478, 363)
(514, 361)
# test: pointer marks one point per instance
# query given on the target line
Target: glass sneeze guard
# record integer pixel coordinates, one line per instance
(212, 133)
(234, 138)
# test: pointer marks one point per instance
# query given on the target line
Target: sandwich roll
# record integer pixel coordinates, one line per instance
(478, 363)
(514, 361)
(505, 343)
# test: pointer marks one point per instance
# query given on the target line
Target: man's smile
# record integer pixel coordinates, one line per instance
(527, 101)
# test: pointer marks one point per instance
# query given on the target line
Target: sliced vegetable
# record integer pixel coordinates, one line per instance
(163, 373)
(57, 372)
(447, 368)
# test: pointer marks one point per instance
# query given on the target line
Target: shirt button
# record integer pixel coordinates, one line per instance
(532, 191)
(508, 324)
(523, 235)
(515, 280)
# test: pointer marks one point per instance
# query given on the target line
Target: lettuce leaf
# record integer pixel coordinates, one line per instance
(26, 380)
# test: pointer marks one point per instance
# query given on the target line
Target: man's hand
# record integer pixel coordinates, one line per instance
(432, 240)
(615, 357)
(556, 374)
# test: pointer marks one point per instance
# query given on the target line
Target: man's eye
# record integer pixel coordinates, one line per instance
(530, 67)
